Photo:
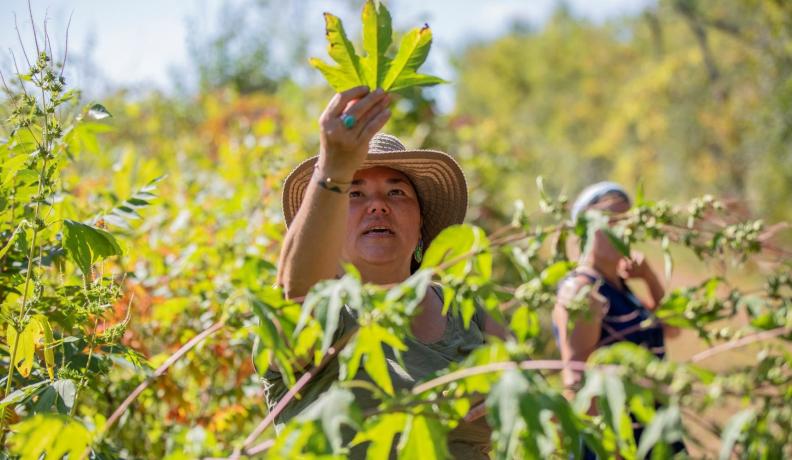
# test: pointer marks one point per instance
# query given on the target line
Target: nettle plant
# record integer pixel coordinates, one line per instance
(525, 407)
(57, 289)
(58, 286)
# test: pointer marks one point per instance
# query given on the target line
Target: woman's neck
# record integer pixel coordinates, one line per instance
(609, 272)
(382, 274)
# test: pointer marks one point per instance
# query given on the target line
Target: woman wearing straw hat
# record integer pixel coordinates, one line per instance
(617, 314)
(368, 201)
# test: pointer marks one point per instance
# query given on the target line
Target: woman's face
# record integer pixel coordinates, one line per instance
(603, 250)
(384, 223)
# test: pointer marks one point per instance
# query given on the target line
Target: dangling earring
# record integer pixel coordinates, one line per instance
(418, 255)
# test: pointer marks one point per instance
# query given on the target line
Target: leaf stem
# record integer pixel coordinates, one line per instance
(85, 369)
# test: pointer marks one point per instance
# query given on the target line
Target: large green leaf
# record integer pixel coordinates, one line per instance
(379, 433)
(503, 413)
(424, 438)
(377, 37)
(336, 407)
(349, 72)
(413, 50)
(86, 245)
(375, 69)
(733, 430)
(665, 428)
(26, 345)
(452, 244)
(50, 435)
(325, 301)
(368, 348)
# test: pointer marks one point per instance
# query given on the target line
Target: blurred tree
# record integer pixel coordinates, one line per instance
(239, 51)
(691, 97)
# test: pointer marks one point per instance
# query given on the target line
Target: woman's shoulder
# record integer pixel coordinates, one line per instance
(576, 280)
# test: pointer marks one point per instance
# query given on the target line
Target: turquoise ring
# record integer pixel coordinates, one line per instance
(348, 120)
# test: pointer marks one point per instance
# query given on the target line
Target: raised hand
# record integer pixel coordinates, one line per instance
(347, 125)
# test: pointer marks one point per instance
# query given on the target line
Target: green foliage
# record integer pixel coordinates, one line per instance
(95, 326)
(375, 69)
(423, 437)
(50, 435)
(86, 245)
(334, 409)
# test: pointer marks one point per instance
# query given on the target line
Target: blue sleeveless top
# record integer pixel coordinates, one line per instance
(622, 321)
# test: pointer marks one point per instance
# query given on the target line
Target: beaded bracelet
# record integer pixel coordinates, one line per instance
(331, 184)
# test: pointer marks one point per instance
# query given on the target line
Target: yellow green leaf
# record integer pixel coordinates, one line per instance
(377, 37)
(348, 74)
(26, 346)
(50, 435)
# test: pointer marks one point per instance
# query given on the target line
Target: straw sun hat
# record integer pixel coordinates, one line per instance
(437, 178)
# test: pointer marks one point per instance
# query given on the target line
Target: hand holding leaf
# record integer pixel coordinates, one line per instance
(375, 69)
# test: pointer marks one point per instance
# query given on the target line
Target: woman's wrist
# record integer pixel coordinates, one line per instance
(337, 174)
(330, 183)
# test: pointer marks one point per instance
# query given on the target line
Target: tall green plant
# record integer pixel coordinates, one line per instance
(54, 291)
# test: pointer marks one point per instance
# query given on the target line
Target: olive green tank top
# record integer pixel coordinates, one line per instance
(421, 361)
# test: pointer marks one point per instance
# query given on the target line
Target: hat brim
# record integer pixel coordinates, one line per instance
(437, 178)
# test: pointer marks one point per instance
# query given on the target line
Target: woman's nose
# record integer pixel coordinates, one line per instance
(377, 205)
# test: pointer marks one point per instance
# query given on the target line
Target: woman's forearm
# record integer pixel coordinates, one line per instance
(312, 246)
(656, 289)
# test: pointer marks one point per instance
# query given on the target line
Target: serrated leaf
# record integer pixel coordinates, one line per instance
(128, 209)
(664, 427)
(49, 343)
(335, 408)
(453, 243)
(413, 50)
(348, 73)
(10, 167)
(325, 301)
(424, 438)
(98, 112)
(26, 346)
(375, 69)
(367, 348)
(13, 236)
(21, 394)
(49, 435)
(503, 412)
(377, 37)
(615, 402)
(379, 433)
(86, 245)
(731, 433)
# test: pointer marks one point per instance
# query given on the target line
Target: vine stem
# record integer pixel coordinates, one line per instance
(28, 276)
(541, 364)
(85, 370)
(149, 379)
(747, 340)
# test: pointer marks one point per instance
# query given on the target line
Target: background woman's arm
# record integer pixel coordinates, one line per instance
(580, 342)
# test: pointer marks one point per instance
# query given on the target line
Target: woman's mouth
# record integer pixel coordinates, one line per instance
(378, 231)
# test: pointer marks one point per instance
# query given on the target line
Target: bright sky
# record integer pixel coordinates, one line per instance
(143, 43)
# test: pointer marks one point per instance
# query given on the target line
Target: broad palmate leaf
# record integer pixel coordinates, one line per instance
(375, 69)
(86, 245)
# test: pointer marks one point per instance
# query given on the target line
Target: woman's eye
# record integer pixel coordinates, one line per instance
(355, 194)
(398, 192)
